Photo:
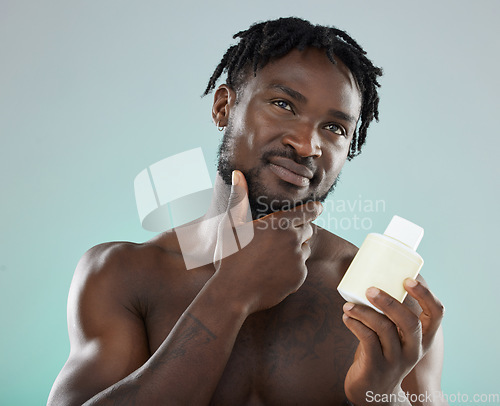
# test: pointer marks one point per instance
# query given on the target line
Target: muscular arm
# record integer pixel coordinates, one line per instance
(109, 362)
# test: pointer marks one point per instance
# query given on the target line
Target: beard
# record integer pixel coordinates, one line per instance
(262, 200)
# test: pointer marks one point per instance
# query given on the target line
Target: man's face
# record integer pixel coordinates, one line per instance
(289, 131)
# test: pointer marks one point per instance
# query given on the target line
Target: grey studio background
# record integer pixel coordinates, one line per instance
(91, 93)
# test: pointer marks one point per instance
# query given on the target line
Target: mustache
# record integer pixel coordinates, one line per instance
(290, 154)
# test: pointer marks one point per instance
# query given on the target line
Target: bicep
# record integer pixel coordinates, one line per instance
(108, 339)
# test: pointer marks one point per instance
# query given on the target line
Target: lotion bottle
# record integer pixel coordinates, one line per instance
(384, 261)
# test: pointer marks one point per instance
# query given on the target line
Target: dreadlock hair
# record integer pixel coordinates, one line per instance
(271, 40)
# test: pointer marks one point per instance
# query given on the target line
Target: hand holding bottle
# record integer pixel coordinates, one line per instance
(390, 344)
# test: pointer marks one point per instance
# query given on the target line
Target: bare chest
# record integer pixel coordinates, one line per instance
(295, 353)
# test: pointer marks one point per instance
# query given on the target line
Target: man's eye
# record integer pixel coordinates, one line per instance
(336, 129)
(283, 104)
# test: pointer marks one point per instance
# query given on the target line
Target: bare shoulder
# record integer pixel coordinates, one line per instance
(123, 272)
(105, 259)
(126, 259)
(108, 300)
(119, 252)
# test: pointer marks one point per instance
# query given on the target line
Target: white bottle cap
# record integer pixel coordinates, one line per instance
(405, 231)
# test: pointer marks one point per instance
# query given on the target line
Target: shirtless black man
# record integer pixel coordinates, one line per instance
(265, 325)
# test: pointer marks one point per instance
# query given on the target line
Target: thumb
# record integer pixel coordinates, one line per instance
(238, 213)
(239, 210)
(238, 206)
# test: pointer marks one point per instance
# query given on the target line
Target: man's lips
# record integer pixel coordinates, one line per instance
(290, 171)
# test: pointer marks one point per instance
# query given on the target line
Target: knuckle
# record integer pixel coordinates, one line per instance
(387, 301)
(305, 235)
(411, 325)
(415, 328)
(296, 222)
(369, 336)
(299, 252)
(306, 251)
(235, 198)
(426, 294)
(440, 309)
(309, 231)
(385, 325)
(314, 208)
(284, 223)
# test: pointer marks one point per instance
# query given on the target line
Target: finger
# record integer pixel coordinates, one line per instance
(368, 339)
(306, 249)
(307, 232)
(432, 309)
(238, 206)
(304, 213)
(226, 243)
(408, 325)
(384, 328)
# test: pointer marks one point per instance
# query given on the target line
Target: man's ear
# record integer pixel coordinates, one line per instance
(224, 100)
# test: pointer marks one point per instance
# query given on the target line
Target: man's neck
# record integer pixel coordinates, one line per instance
(198, 238)
(220, 199)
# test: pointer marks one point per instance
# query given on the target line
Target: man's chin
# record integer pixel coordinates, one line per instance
(263, 199)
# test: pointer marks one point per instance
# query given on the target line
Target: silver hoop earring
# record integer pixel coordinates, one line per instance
(219, 127)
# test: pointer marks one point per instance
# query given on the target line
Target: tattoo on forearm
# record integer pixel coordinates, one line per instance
(195, 333)
(212, 336)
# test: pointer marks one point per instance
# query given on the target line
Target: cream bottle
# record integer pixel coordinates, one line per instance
(384, 261)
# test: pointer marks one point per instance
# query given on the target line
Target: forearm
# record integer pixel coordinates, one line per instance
(187, 367)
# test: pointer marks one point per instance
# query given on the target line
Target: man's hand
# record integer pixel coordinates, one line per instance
(390, 345)
(271, 262)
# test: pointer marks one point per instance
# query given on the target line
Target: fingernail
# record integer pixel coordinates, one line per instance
(411, 283)
(372, 292)
(235, 179)
(348, 306)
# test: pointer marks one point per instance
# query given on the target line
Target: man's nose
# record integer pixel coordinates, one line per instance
(305, 140)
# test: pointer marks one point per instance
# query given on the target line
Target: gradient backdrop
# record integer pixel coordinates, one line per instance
(92, 92)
